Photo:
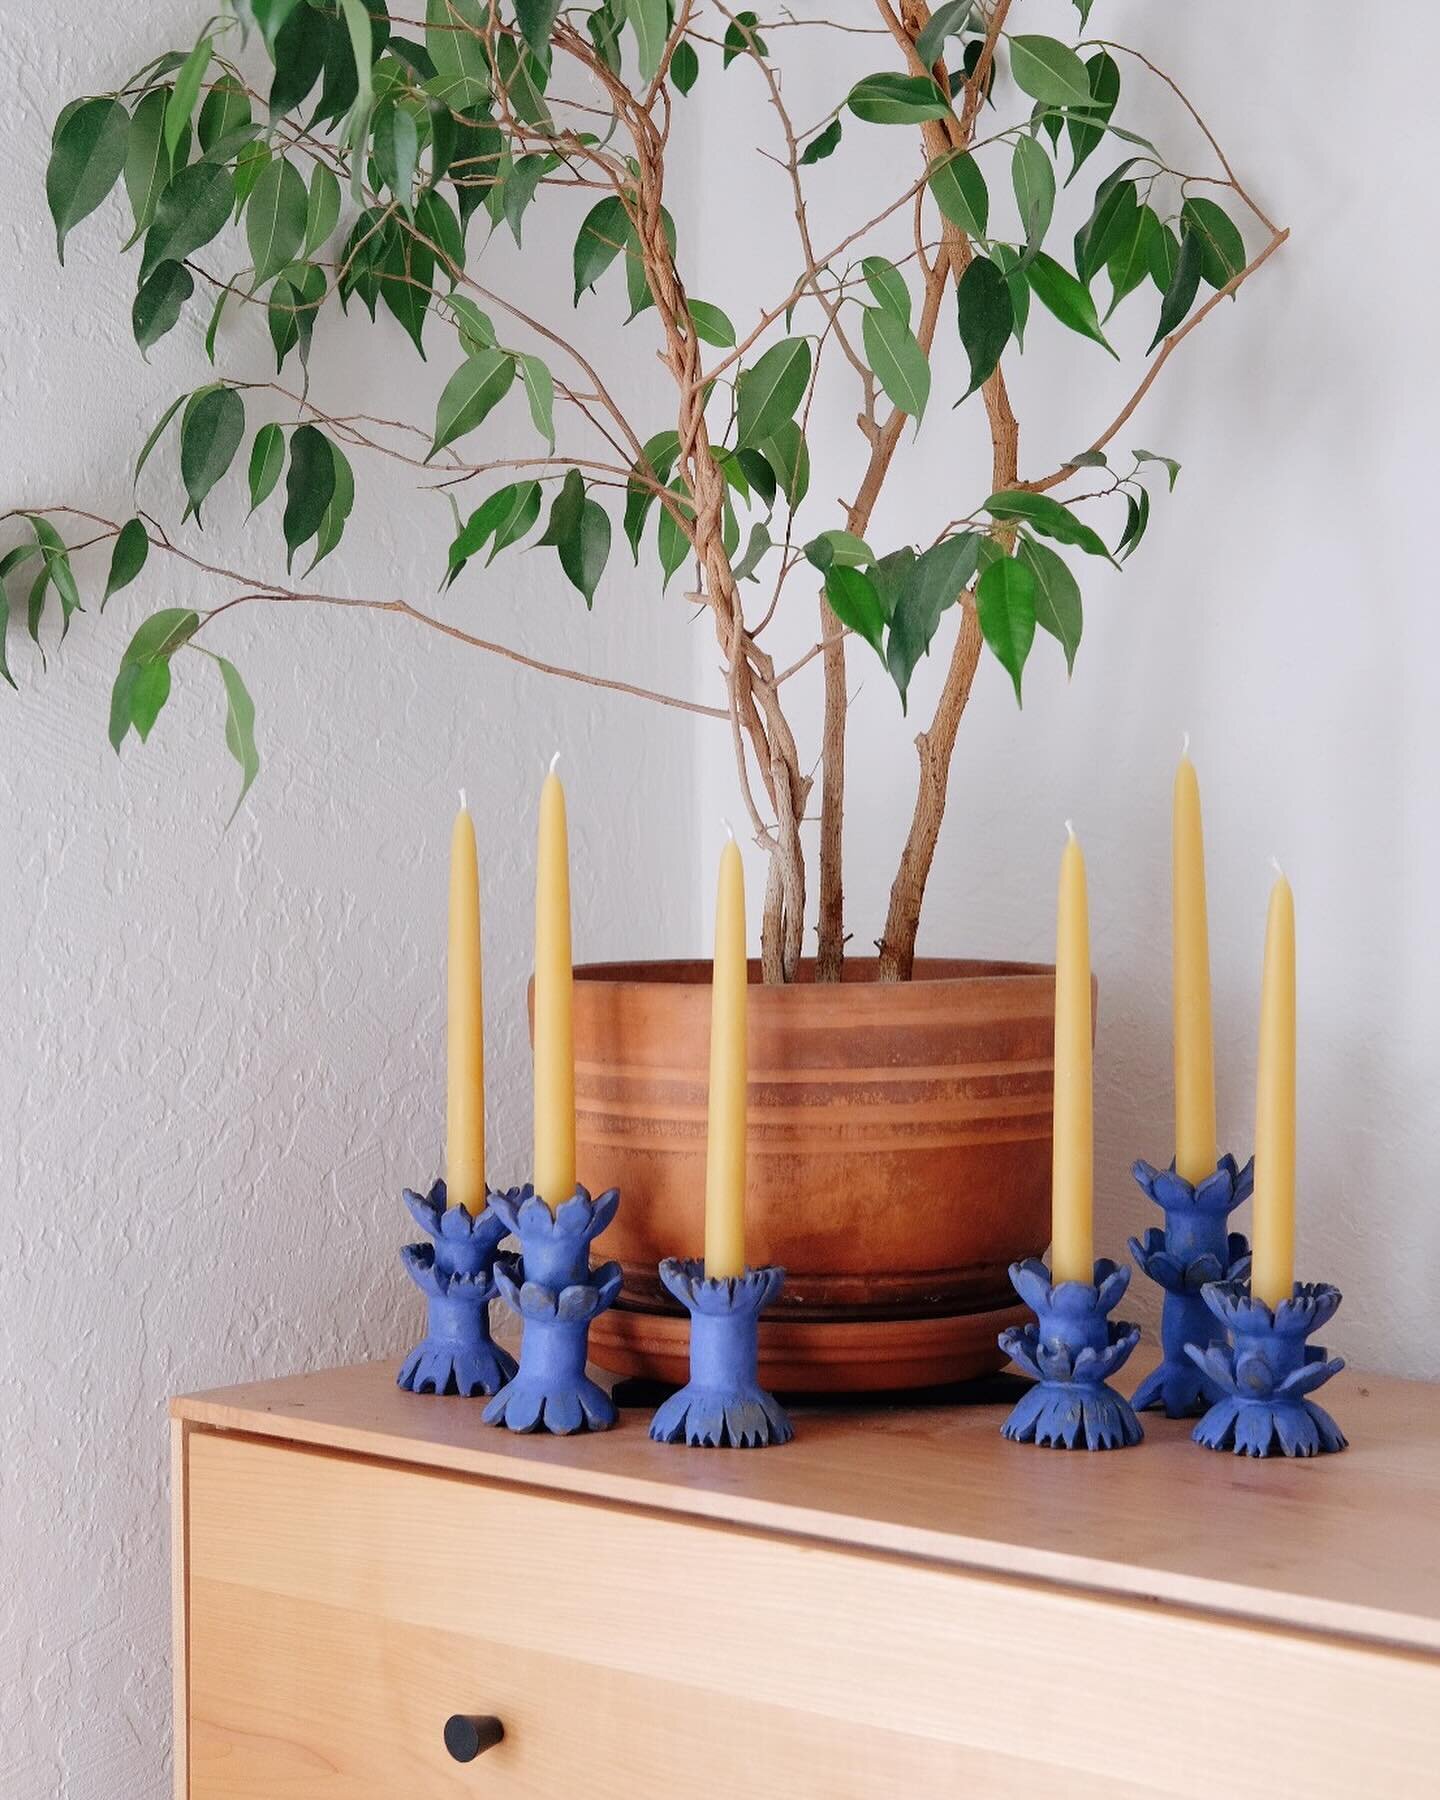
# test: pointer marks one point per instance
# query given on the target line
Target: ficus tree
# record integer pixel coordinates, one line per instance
(309, 156)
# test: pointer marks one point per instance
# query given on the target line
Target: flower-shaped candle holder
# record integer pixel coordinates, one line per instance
(551, 1286)
(723, 1404)
(1266, 1372)
(1195, 1248)
(455, 1273)
(1072, 1349)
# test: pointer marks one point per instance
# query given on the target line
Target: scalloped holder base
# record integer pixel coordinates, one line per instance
(1071, 1350)
(456, 1274)
(723, 1405)
(1266, 1372)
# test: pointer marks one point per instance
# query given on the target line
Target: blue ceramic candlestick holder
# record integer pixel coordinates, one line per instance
(1266, 1372)
(723, 1404)
(1071, 1350)
(1195, 1248)
(455, 1273)
(551, 1286)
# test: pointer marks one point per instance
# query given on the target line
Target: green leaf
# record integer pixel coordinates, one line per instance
(475, 164)
(210, 433)
(579, 529)
(1137, 518)
(601, 239)
(158, 302)
(522, 80)
(685, 67)
(161, 635)
(85, 163)
(395, 144)
(928, 586)
(755, 552)
(740, 37)
(149, 690)
(185, 93)
(888, 99)
(270, 15)
(147, 165)
(1184, 285)
(787, 453)
(899, 363)
(1050, 71)
(248, 166)
(1111, 221)
(1049, 517)
(295, 298)
(1172, 467)
(672, 543)
(474, 390)
(1059, 291)
(711, 325)
(455, 38)
(191, 210)
(1033, 177)
(406, 274)
(856, 604)
(540, 392)
(267, 459)
(823, 144)
(1129, 259)
(1163, 253)
(435, 221)
(476, 330)
(840, 548)
(226, 113)
(332, 524)
(1010, 265)
(275, 218)
(157, 433)
(536, 19)
(322, 208)
(1222, 249)
(768, 394)
(1056, 598)
(986, 318)
(759, 474)
(506, 516)
(961, 194)
(127, 559)
(649, 20)
(887, 284)
(309, 487)
(637, 285)
(1102, 74)
(1005, 602)
(299, 52)
(239, 729)
(945, 22)
(659, 454)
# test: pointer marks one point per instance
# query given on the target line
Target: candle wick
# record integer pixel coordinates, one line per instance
(1185, 745)
(729, 829)
(553, 760)
(464, 806)
(1275, 865)
(1070, 830)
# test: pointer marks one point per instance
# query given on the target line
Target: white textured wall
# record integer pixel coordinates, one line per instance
(1281, 610)
(222, 1051)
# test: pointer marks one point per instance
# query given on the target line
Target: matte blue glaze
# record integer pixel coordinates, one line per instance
(555, 1247)
(456, 1275)
(551, 1391)
(1071, 1350)
(1266, 1371)
(551, 1286)
(1195, 1248)
(723, 1405)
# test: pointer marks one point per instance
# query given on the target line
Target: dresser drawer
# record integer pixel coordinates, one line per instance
(339, 1610)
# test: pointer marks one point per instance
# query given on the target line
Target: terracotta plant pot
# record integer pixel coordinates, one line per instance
(899, 1160)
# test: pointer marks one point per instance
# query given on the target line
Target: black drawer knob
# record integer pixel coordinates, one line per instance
(466, 1735)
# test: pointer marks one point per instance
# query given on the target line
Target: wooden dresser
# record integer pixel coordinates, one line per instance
(896, 1604)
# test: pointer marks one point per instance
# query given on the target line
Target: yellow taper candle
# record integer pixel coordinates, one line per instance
(1272, 1269)
(729, 1072)
(465, 1045)
(554, 1030)
(1072, 1191)
(1195, 1146)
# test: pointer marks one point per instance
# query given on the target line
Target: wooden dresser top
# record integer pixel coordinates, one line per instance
(1347, 1544)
